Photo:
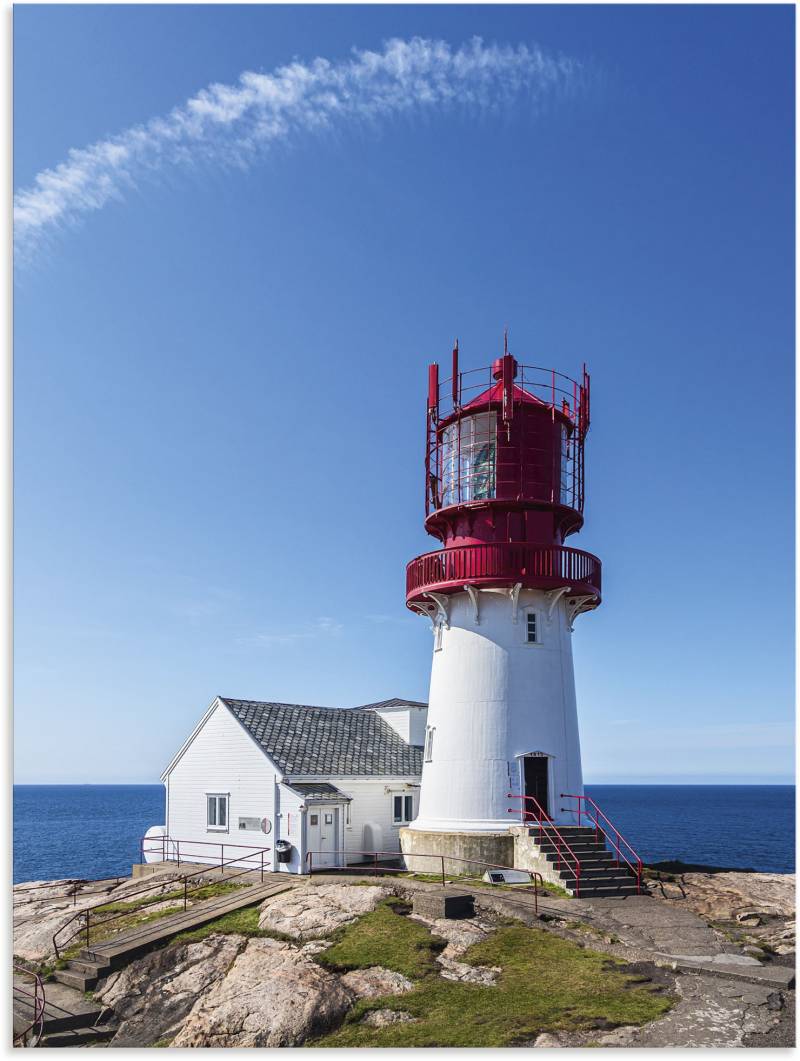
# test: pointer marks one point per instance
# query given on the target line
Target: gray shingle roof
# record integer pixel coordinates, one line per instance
(326, 740)
(394, 702)
(319, 790)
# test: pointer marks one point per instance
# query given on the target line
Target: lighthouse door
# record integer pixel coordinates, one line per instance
(537, 780)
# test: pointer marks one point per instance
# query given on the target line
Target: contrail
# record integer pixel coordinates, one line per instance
(230, 124)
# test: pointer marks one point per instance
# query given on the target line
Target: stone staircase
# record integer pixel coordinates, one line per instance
(69, 1019)
(601, 877)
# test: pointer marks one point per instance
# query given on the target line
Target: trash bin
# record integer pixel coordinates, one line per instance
(284, 851)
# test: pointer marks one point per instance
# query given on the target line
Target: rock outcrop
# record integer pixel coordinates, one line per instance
(761, 905)
(272, 995)
(311, 912)
(375, 982)
(41, 908)
(154, 995)
(461, 935)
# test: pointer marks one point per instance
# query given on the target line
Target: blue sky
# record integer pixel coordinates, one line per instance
(220, 372)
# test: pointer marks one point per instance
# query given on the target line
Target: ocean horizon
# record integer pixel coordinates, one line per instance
(92, 831)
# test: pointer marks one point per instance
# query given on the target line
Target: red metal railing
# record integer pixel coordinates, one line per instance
(395, 856)
(71, 889)
(30, 1035)
(542, 565)
(587, 808)
(563, 851)
(86, 914)
(170, 850)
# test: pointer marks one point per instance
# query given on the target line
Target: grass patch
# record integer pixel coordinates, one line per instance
(384, 937)
(99, 932)
(547, 984)
(242, 922)
(208, 891)
(477, 882)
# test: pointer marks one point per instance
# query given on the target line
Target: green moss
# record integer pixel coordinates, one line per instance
(546, 984)
(206, 892)
(382, 937)
(242, 922)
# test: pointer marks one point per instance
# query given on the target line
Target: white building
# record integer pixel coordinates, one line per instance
(330, 782)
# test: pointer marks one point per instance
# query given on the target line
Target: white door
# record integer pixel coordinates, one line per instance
(322, 832)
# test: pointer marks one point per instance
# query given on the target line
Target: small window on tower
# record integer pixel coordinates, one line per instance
(429, 732)
(531, 632)
(437, 637)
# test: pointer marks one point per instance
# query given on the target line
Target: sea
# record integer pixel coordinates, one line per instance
(93, 831)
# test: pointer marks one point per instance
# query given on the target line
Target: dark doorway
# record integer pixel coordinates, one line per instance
(536, 782)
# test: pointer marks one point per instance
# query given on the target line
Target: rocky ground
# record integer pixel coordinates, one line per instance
(249, 989)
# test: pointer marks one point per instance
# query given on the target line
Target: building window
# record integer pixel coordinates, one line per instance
(429, 732)
(217, 811)
(531, 629)
(437, 637)
(402, 809)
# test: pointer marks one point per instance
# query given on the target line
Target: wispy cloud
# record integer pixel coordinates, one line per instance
(232, 124)
(323, 626)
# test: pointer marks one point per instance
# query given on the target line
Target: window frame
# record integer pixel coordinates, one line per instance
(406, 808)
(219, 798)
(428, 751)
(532, 613)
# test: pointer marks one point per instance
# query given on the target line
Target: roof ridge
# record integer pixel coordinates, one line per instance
(280, 703)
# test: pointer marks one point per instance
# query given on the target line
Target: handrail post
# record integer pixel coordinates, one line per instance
(185, 892)
(178, 849)
(88, 917)
(222, 858)
(262, 865)
(443, 882)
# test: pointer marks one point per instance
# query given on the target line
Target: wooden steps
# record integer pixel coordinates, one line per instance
(98, 959)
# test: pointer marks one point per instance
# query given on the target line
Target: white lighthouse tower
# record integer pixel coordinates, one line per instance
(504, 489)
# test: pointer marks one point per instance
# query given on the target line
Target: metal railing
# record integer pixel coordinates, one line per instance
(182, 880)
(587, 808)
(540, 816)
(31, 1035)
(376, 867)
(551, 565)
(170, 850)
(71, 889)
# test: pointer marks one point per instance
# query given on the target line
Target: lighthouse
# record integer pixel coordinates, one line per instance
(504, 490)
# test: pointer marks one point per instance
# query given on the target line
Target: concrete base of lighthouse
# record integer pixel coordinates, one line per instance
(423, 851)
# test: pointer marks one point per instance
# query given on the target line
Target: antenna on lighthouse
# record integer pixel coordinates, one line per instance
(455, 375)
(505, 341)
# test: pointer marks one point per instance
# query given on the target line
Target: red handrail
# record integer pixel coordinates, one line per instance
(36, 1027)
(636, 865)
(162, 841)
(541, 816)
(183, 879)
(536, 877)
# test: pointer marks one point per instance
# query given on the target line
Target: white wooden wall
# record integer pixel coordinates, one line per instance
(372, 806)
(221, 758)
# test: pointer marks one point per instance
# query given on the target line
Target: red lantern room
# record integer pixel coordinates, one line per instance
(504, 482)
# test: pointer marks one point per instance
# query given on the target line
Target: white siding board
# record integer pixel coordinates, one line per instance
(221, 758)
